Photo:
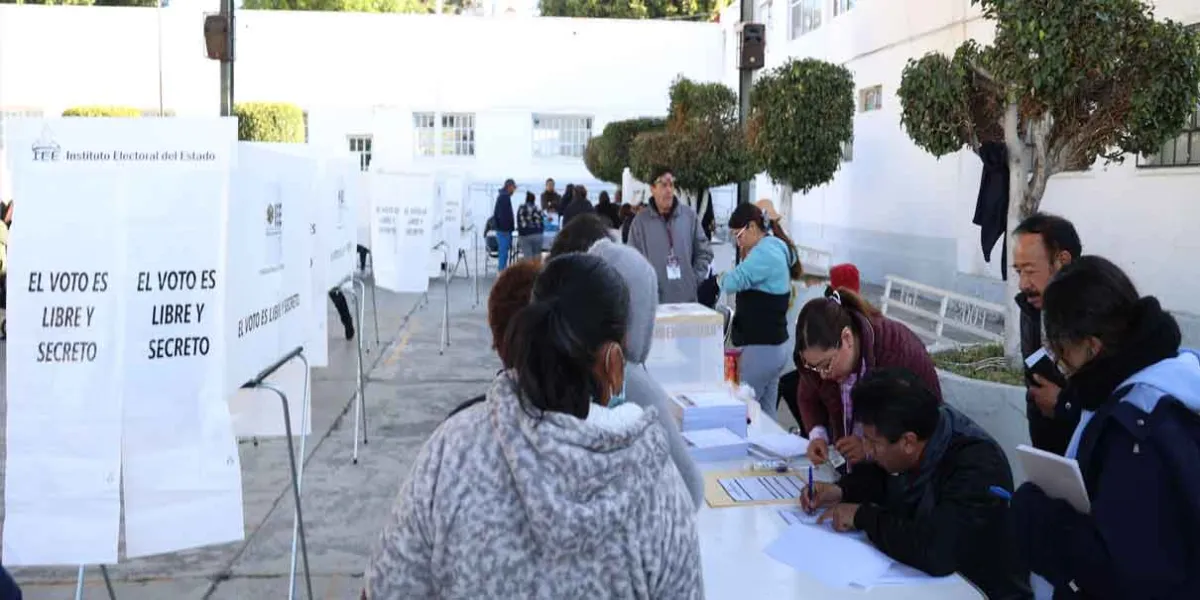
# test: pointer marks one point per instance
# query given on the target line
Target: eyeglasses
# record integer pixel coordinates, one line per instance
(665, 181)
(827, 368)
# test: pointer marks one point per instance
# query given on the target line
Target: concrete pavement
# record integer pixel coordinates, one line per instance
(411, 390)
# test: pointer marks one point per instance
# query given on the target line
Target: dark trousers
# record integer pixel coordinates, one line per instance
(788, 385)
(363, 252)
(343, 308)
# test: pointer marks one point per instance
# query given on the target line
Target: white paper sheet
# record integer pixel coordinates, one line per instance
(1059, 477)
(711, 438)
(767, 487)
(837, 560)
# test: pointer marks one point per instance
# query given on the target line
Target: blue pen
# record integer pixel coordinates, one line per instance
(1000, 493)
(810, 485)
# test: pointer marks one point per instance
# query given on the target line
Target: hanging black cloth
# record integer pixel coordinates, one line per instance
(991, 207)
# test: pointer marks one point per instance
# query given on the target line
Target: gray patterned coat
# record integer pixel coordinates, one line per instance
(502, 506)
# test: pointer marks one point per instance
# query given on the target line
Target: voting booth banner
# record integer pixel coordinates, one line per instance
(437, 217)
(269, 261)
(453, 191)
(402, 218)
(273, 255)
(338, 209)
(115, 356)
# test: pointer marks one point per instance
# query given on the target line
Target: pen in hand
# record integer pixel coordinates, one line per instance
(810, 485)
(1000, 493)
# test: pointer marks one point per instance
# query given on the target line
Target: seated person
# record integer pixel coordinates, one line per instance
(925, 500)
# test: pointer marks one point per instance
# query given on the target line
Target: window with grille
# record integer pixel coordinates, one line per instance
(458, 134)
(805, 16)
(7, 113)
(424, 133)
(840, 7)
(1182, 151)
(360, 146)
(764, 16)
(561, 135)
(870, 99)
(848, 150)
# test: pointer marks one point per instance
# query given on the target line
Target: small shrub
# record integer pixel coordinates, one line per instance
(985, 362)
(102, 111)
(270, 122)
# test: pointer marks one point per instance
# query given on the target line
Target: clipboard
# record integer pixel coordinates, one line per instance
(717, 497)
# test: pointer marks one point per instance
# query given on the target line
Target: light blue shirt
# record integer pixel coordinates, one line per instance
(767, 269)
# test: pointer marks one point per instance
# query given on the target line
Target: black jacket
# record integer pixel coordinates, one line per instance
(943, 518)
(991, 206)
(503, 213)
(612, 212)
(1049, 434)
(577, 207)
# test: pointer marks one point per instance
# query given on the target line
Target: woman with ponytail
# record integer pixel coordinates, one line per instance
(839, 339)
(763, 285)
(554, 487)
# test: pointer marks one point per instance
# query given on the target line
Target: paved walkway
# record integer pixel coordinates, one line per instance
(412, 388)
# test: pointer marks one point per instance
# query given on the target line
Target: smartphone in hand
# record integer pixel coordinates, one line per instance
(1042, 363)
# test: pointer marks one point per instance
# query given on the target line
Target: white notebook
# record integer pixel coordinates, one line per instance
(1057, 476)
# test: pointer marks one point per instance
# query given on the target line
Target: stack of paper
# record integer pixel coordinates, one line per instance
(779, 445)
(714, 445)
(714, 408)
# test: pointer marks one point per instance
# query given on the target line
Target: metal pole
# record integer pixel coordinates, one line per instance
(745, 81)
(158, 15)
(227, 10)
(296, 525)
(299, 516)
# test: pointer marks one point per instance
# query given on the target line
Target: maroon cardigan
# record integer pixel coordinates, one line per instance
(885, 343)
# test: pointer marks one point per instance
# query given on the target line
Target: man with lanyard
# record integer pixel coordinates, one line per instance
(671, 238)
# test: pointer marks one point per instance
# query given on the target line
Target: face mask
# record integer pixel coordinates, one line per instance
(615, 398)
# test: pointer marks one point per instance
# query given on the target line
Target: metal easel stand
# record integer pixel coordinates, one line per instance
(355, 286)
(445, 337)
(112, 595)
(361, 281)
(259, 382)
(475, 252)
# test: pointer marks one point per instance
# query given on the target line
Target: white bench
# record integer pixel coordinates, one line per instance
(816, 262)
(918, 305)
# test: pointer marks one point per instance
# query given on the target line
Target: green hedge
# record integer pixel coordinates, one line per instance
(102, 111)
(270, 122)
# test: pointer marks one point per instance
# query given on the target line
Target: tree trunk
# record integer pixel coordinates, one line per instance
(1018, 186)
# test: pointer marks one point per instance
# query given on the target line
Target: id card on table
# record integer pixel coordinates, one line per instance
(674, 271)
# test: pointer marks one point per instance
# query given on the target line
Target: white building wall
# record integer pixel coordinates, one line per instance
(894, 209)
(366, 73)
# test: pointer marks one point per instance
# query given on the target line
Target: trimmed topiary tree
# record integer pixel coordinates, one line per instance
(801, 116)
(270, 122)
(702, 144)
(1078, 81)
(102, 111)
(597, 159)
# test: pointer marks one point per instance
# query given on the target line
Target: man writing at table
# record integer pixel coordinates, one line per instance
(927, 499)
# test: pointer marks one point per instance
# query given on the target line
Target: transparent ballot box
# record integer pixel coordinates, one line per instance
(689, 346)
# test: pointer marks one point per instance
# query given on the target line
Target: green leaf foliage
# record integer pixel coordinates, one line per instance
(1107, 76)
(102, 111)
(640, 9)
(269, 122)
(610, 151)
(702, 145)
(802, 112)
(594, 159)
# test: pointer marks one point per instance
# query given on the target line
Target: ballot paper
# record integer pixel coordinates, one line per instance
(714, 445)
(763, 488)
(779, 445)
(792, 516)
(714, 408)
(1057, 476)
(838, 560)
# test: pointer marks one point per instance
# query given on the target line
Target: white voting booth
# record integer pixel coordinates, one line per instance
(188, 274)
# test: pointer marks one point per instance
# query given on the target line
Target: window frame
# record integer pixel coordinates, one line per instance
(569, 132)
(424, 125)
(867, 93)
(461, 139)
(364, 152)
(841, 7)
(816, 8)
(1190, 140)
